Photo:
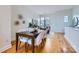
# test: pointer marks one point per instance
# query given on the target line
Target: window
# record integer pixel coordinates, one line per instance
(65, 18)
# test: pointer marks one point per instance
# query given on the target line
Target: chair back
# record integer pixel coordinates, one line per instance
(39, 38)
(45, 33)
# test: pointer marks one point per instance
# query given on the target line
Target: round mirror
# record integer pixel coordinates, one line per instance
(75, 21)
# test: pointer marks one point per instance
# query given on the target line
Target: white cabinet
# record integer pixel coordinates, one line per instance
(72, 35)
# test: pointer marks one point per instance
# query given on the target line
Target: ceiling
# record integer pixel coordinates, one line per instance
(47, 9)
(42, 9)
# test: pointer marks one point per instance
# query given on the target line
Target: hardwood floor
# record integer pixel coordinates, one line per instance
(55, 44)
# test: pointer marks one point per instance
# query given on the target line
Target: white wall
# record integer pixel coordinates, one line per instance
(76, 10)
(27, 14)
(57, 20)
(5, 28)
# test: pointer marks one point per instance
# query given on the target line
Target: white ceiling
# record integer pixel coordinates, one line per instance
(42, 9)
(47, 9)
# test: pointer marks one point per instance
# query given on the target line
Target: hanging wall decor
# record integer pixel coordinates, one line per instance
(16, 22)
(75, 21)
(23, 21)
(20, 16)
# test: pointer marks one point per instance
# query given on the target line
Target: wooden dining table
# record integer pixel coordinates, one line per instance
(28, 35)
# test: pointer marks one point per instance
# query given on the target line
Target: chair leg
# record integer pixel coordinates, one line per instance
(44, 41)
(36, 48)
(19, 44)
(42, 44)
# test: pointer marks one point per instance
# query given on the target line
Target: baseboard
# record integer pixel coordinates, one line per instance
(60, 32)
(5, 48)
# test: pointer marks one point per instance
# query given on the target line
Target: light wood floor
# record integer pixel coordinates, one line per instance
(56, 44)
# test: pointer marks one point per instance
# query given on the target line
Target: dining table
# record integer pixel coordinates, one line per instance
(28, 35)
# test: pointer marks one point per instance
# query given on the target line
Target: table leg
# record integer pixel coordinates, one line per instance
(16, 42)
(33, 47)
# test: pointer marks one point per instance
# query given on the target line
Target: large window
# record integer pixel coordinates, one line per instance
(44, 22)
(40, 21)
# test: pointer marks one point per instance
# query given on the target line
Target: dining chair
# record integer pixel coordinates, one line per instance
(38, 41)
(23, 39)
